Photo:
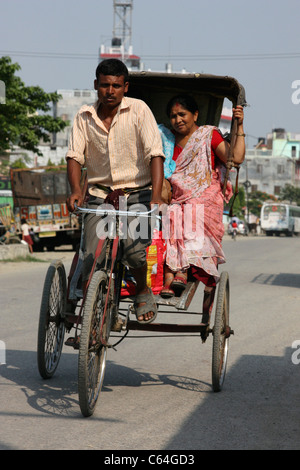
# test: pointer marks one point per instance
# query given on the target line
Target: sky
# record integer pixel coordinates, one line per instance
(56, 43)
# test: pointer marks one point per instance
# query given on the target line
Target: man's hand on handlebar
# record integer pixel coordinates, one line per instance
(72, 199)
(160, 204)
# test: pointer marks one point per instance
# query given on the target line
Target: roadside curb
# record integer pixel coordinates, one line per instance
(13, 251)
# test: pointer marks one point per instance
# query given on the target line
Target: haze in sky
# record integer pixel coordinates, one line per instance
(57, 45)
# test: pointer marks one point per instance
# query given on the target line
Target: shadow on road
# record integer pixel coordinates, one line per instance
(282, 279)
(58, 396)
(258, 408)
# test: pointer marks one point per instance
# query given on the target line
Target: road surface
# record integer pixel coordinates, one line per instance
(157, 391)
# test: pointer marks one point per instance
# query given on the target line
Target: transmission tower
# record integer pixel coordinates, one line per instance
(123, 23)
(121, 46)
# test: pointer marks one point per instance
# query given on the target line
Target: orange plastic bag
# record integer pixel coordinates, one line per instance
(156, 255)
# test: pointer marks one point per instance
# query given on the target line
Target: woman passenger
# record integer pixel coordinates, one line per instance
(201, 154)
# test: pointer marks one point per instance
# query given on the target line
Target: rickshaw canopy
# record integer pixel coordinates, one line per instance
(210, 91)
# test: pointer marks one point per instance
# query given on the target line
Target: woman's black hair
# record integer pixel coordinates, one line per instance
(186, 101)
(114, 67)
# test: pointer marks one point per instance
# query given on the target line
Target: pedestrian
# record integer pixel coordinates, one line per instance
(26, 235)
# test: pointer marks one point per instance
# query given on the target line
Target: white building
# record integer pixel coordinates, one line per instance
(273, 163)
(67, 107)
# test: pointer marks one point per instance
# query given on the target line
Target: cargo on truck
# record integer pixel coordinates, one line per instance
(39, 196)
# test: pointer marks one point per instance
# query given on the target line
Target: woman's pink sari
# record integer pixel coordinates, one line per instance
(194, 218)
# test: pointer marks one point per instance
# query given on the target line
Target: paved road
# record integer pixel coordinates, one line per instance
(157, 391)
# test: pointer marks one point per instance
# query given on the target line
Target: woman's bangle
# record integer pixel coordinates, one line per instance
(241, 135)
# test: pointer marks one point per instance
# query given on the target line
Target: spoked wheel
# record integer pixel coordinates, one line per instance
(221, 333)
(51, 330)
(95, 330)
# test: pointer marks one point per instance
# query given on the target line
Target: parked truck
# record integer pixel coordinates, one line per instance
(39, 196)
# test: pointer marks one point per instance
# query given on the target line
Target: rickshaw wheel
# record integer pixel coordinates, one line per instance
(93, 350)
(51, 329)
(221, 333)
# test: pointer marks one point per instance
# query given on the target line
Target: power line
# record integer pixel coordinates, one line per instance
(159, 57)
(212, 57)
(51, 55)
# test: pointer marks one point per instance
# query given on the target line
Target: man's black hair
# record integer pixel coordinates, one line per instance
(114, 67)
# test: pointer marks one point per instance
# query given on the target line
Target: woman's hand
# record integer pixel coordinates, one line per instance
(222, 151)
(240, 147)
(238, 113)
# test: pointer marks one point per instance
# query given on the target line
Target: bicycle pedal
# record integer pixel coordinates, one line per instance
(72, 341)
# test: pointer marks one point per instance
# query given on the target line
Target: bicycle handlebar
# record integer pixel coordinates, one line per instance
(117, 212)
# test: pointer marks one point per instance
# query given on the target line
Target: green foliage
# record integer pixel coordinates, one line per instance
(27, 258)
(53, 167)
(20, 163)
(20, 121)
(4, 167)
(290, 193)
(256, 200)
(238, 205)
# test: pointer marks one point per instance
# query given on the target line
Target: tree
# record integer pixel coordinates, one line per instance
(256, 200)
(23, 118)
(239, 203)
(254, 203)
(290, 193)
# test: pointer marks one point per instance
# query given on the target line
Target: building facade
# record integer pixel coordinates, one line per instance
(273, 163)
(66, 108)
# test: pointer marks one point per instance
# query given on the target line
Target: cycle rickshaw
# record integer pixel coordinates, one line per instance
(96, 316)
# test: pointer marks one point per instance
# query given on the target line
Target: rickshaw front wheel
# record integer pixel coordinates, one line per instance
(95, 330)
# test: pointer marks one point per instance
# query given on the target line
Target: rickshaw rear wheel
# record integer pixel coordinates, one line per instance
(93, 349)
(51, 329)
(221, 333)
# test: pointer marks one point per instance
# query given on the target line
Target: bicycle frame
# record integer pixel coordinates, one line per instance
(111, 255)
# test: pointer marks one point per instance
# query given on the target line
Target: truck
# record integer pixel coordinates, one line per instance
(39, 197)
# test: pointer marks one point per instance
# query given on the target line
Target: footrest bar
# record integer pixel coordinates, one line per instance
(164, 327)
